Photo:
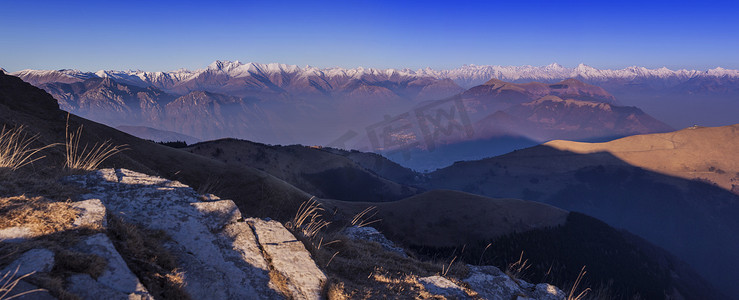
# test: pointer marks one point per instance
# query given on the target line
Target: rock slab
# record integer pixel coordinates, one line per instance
(218, 251)
(116, 282)
(289, 259)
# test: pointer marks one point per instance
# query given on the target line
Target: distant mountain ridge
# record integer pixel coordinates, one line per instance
(281, 104)
(465, 76)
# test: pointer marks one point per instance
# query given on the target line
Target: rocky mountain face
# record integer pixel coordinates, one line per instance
(570, 109)
(498, 117)
(204, 114)
(105, 100)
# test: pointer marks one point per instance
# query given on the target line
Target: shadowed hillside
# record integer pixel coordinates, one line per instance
(445, 225)
(693, 219)
(319, 172)
(618, 263)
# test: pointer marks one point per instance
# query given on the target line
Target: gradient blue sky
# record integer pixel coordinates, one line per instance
(165, 35)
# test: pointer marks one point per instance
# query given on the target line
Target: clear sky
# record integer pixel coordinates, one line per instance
(166, 35)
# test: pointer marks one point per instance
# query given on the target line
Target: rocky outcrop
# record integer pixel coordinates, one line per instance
(488, 282)
(372, 235)
(290, 260)
(116, 282)
(491, 283)
(222, 255)
(34, 260)
(439, 285)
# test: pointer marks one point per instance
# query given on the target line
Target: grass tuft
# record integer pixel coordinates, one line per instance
(308, 219)
(517, 269)
(84, 158)
(363, 218)
(8, 283)
(581, 295)
(16, 150)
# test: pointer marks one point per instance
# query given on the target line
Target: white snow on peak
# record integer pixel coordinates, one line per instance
(465, 76)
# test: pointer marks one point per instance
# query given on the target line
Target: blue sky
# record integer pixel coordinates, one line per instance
(165, 35)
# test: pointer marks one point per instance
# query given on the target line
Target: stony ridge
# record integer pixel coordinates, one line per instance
(222, 254)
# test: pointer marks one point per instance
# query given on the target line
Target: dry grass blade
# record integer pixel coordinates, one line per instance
(8, 283)
(361, 219)
(15, 148)
(479, 262)
(445, 269)
(332, 258)
(82, 158)
(516, 269)
(577, 283)
(308, 218)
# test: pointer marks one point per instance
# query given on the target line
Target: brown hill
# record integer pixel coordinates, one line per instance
(703, 153)
(510, 93)
(656, 186)
(314, 170)
(444, 218)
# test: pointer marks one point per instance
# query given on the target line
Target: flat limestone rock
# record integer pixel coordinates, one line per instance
(15, 234)
(211, 250)
(87, 288)
(34, 260)
(545, 291)
(116, 277)
(441, 286)
(289, 259)
(373, 235)
(92, 214)
(491, 283)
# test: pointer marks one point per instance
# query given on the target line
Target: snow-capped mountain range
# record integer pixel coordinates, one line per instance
(466, 76)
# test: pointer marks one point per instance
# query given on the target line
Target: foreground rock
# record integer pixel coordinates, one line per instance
(491, 283)
(116, 282)
(372, 235)
(34, 260)
(488, 282)
(218, 250)
(290, 260)
(441, 286)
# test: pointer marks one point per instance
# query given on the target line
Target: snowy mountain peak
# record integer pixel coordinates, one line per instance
(465, 76)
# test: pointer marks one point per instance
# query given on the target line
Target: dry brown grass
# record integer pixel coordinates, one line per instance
(144, 254)
(8, 282)
(38, 180)
(517, 269)
(308, 219)
(68, 261)
(364, 217)
(54, 284)
(360, 269)
(87, 158)
(16, 150)
(572, 294)
(40, 215)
